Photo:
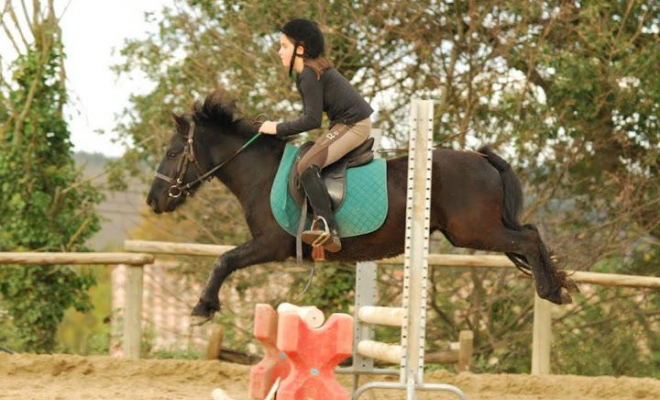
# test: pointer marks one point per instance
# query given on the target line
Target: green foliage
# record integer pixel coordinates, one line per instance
(190, 352)
(37, 298)
(42, 208)
(89, 333)
(177, 354)
(331, 290)
(568, 92)
(586, 346)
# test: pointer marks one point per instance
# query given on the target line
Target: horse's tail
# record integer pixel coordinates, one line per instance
(513, 202)
(513, 195)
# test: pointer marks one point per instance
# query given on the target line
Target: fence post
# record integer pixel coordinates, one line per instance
(465, 350)
(542, 336)
(133, 311)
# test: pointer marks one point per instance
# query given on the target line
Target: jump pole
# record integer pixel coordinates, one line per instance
(412, 316)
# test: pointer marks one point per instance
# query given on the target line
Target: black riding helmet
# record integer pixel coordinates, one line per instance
(304, 33)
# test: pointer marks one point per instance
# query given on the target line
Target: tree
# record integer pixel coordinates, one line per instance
(568, 91)
(44, 206)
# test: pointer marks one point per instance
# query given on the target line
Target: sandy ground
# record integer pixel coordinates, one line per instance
(64, 377)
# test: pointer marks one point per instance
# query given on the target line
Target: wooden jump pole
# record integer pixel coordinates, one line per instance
(391, 316)
(391, 353)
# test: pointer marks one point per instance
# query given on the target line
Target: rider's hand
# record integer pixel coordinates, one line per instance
(269, 128)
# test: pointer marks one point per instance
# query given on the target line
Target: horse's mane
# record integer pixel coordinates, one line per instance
(219, 109)
(216, 107)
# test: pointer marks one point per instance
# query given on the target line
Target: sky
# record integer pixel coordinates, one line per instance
(93, 32)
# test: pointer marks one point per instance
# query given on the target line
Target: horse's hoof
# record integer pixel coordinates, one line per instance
(197, 320)
(565, 296)
(203, 313)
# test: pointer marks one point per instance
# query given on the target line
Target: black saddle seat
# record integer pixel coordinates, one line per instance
(334, 175)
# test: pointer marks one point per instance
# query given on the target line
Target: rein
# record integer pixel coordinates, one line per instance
(188, 156)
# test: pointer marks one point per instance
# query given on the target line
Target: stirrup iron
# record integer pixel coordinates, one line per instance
(324, 235)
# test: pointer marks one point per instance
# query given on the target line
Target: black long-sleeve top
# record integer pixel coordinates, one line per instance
(333, 93)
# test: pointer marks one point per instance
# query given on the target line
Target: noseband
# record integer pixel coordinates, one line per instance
(177, 187)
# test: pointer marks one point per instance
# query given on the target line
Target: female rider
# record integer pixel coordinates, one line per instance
(322, 88)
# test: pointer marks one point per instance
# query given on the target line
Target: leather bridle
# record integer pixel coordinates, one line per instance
(177, 187)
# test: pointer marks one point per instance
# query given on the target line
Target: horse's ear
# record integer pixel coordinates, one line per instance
(231, 107)
(180, 122)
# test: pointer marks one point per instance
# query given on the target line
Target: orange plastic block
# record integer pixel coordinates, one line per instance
(274, 364)
(314, 354)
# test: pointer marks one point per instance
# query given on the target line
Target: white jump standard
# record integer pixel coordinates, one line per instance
(412, 316)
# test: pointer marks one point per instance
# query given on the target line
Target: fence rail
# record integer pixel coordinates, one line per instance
(435, 260)
(140, 253)
(75, 258)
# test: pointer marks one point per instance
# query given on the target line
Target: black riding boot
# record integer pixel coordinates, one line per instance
(320, 234)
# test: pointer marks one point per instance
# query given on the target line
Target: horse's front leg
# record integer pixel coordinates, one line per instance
(256, 251)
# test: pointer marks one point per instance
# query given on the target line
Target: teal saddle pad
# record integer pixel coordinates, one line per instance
(363, 211)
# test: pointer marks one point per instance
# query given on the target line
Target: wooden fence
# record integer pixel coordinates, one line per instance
(542, 334)
(141, 253)
(134, 263)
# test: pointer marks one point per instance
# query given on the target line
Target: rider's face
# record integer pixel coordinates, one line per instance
(286, 50)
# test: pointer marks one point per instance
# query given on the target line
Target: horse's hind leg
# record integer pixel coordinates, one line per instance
(526, 243)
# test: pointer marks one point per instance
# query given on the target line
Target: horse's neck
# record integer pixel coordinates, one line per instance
(251, 174)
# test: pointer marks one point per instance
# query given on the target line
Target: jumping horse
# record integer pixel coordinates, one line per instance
(476, 200)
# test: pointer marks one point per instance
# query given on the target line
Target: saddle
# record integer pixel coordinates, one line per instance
(334, 175)
(363, 210)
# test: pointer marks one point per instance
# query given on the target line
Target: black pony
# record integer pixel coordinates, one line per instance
(476, 199)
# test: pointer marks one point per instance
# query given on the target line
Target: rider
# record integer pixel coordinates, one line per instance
(322, 88)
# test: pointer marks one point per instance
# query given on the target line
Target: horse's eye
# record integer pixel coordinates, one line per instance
(171, 155)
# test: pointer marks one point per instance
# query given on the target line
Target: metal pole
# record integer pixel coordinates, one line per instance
(418, 206)
(418, 210)
(366, 285)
